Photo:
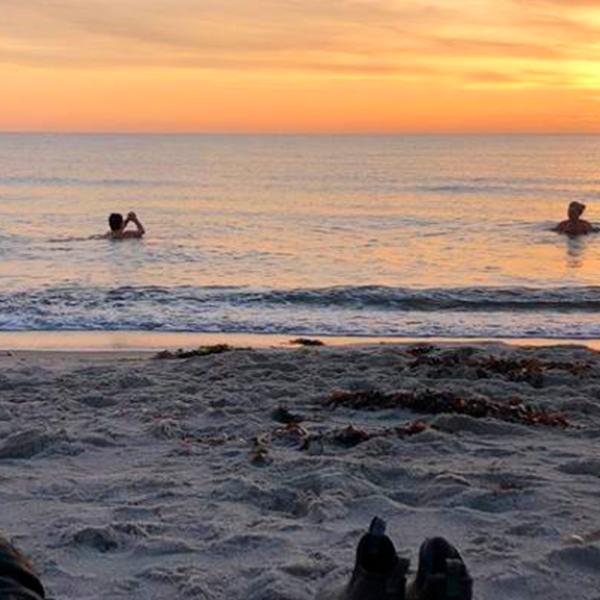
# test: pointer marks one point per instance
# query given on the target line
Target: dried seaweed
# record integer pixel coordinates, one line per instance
(259, 455)
(297, 436)
(436, 402)
(292, 432)
(529, 370)
(420, 350)
(307, 342)
(349, 436)
(352, 436)
(200, 351)
(515, 368)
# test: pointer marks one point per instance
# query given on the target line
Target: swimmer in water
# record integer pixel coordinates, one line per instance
(117, 227)
(574, 225)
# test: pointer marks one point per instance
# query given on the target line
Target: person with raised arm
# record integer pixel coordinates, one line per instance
(118, 225)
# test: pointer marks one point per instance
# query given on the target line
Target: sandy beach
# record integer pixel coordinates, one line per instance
(252, 473)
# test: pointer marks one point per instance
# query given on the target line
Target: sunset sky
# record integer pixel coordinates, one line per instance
(300, 65)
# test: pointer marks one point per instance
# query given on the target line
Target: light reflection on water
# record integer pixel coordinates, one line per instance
(576, 250)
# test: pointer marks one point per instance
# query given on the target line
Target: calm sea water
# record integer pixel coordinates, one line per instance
(345, 235)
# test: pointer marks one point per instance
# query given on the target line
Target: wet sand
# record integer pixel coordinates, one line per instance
(154, 341)
(236, 475)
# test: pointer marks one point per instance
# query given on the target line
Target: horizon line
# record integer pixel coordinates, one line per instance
(300, 133)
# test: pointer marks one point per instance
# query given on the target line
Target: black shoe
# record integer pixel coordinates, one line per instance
(379, 573)
(442, 574)
(17, 579)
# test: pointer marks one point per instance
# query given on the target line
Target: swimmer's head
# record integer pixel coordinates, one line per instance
(115, 222)
(576, 210)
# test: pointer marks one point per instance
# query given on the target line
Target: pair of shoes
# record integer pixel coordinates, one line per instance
(17, 578)
(380, 574)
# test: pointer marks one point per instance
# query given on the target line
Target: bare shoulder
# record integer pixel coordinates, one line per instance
(132, 235)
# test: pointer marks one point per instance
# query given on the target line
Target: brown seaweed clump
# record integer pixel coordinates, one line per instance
(352, 436)
(298, 436)
(420, 350)
(436, 402)
(200, 351)
(292, 432)
(307, 342)
(529, 370)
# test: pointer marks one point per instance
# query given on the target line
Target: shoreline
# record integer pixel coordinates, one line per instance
(150, 342)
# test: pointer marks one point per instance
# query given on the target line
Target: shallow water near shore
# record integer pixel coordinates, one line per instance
(322, 235)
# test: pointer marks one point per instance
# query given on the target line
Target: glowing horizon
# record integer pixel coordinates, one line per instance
(414, 66)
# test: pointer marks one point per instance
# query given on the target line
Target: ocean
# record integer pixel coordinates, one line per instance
(343, 235)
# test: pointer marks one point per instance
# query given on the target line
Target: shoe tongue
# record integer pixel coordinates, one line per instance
(377, 527)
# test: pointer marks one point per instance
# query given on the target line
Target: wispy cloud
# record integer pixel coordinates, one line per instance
(373, 37)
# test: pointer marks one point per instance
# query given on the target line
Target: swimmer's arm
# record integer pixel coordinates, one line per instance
(140, 227)
(561, 227)
(132, 218)
(587, 227)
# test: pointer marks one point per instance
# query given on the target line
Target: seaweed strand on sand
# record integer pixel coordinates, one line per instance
(435, 402)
